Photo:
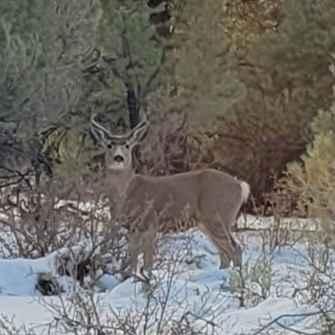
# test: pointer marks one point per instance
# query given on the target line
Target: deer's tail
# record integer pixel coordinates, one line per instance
(245, 191)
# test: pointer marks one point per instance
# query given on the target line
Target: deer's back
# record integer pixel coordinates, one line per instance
(181, 199)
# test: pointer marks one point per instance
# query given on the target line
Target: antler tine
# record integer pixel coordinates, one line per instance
(99, 126)
(95, 126)
(102, 130)
(143, 122)
(96, 130)
(140, 130)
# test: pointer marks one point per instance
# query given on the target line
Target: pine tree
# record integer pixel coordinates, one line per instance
(133, 54)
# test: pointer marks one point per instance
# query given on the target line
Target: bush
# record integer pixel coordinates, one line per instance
(313, 178)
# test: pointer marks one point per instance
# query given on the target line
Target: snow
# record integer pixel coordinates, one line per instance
(188, 275)
(26, 310)
(18, 276)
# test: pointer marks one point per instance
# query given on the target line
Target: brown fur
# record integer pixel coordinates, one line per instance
(207, 198)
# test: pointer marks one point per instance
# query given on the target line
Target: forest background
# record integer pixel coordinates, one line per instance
(242, 86)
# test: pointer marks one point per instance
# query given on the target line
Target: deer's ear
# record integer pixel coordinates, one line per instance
(138, 135)
(141, 133)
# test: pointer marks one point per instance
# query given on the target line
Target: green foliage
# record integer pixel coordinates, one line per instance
(252, 74)
(42, 60)
(204, 78)
(48, 46)
(135, 54)
(23, 15)
(43, 46)
(18, 70)
(299, 52)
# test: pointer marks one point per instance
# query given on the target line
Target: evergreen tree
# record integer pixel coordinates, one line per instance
(41, 72)
(133, 55)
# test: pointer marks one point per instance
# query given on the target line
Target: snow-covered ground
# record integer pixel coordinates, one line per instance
(187, 285)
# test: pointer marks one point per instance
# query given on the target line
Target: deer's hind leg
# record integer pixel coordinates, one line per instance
(218, 231)
(237, 255)
(229, 249)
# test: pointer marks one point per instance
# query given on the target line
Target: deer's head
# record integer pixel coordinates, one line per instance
(118, 149)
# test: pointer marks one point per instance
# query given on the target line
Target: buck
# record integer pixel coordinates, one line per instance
(210, 198)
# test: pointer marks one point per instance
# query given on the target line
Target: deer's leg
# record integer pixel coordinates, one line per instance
(146, 237)
(227, 242)
(141, 242)
(237, 255)
(230, 250)
(224, 261)
(227, 250)
(134, 244)
(149, 238)
(218, 231)
(152, 228)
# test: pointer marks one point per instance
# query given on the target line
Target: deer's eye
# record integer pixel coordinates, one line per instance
(109, 145)
(127, 146)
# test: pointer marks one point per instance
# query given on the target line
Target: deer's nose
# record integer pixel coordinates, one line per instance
(118, 158)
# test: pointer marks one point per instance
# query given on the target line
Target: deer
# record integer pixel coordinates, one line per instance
(211, 198)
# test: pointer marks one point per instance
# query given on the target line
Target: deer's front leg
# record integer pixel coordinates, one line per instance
(149, 235)
(142, 237)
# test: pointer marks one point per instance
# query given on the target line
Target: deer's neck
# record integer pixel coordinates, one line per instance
(119, 181)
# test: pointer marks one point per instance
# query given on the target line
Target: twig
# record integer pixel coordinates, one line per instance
(283, 316)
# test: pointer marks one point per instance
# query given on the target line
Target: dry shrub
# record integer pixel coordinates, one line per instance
(246, 21)
(313, 182)
(255, 141)
(78, 219)
(37, 221)
(312, 178)
(61, 215)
